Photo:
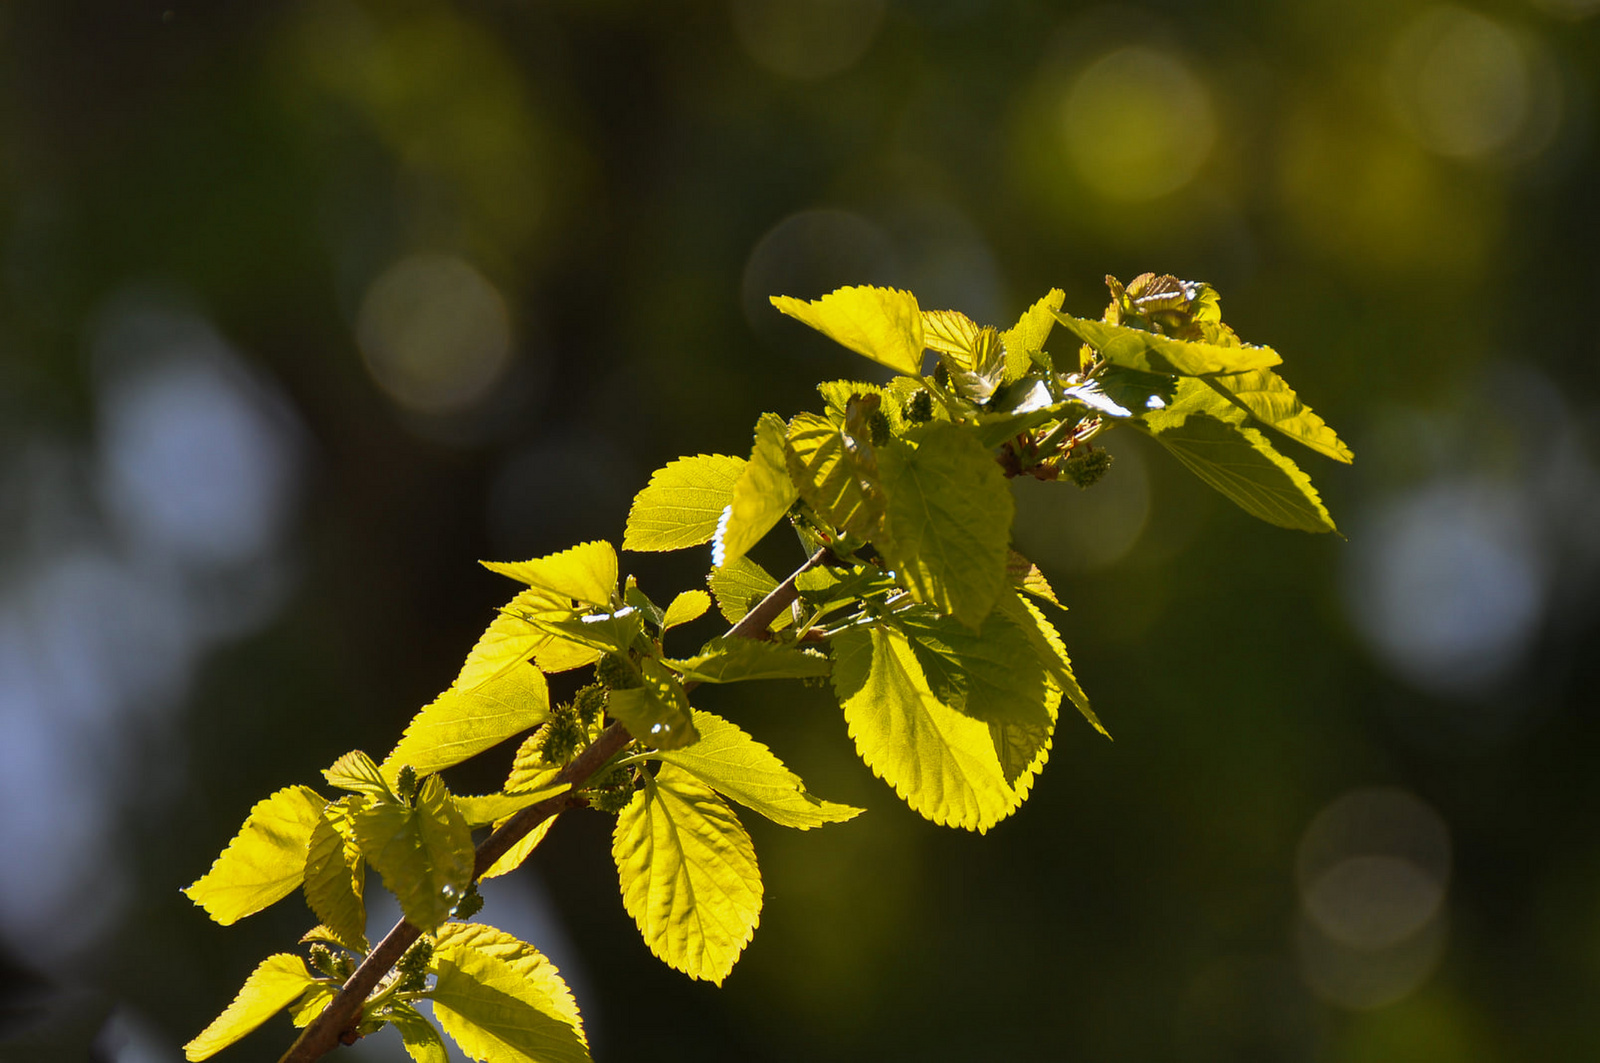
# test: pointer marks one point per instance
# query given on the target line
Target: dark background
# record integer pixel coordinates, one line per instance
(305, 306)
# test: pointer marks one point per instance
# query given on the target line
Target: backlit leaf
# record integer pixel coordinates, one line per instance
(519, 852)
(688, 874)
(460, 724)
(688, 606)
(762, 496)
(480, 811)
(881, 323)
(947, 521)
(312, 1002)
(1027, 337)
(1151, 353)
(335, 877)
(1270, 399)
(734, 660)
(1025, 575)
(496, 1014)
(656, 713)
(606, 632)
(528, 769)
(266, 860)
(271, 987)
(993, 675)
(586, 572)
(941, 763)
(739, 767)
(528, 962)
(835, 474)
(682, 503)
(514, 637)
(948, 332)
(356, 772)
(421, 1038)
(739, 585)
(1047, 642)
(424, 854)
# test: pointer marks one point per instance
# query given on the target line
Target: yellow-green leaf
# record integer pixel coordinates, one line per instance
(836, 474)
(941, 763)
(994, 675)
(762, 496)
(421, 1038)
(1238, 462)
(528, 769)
(1025, 575)
(739, 585)
(266, 860)
(313, 1001)
(335, 877)
(586, 572)
(528, 962)
(356, 772)
(494, 1013)
(1054, 653)
(459, 724)
(1152, 353)
(519, 852)
(1269, 398)
(735, 660)
(514, 636)
(949, 332)
(424, 853)
(688, 874)
(1027, 337)
(682, 503)
(482, 810)
(274, 985)
(739, 767)
(947, 521)
(881, 323)
(656, 712)
(688, 606)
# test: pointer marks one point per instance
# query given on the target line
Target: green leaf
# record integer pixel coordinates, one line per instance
(514, 637)
(881, 323)
(519, 852)
(606, 632)
(688, 606)
(528, 769)
(688, 874)
(1149, 352)
(356, 772)
(1047, 643)
(266, 860)
(947, 521)
(424, 853)
(739, 767)
(941, 763)
(993, 676)
(537, 972)
(657, 712)
(421, 1038)
(312, 1002)
(948, 332)
(1027, 337)
(494, 1013)
(734, 660)
(1268, 397)
(762, 496)
(976, 373)
(586, 572)
(460, 724)
(632, 595)
(682, 504)
(1238, 461)
(740, 584)
(1025, 576)
(271, 987)
(336, 876)
(835, 473)
(480, 811)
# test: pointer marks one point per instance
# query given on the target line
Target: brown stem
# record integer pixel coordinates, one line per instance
(337, 1023)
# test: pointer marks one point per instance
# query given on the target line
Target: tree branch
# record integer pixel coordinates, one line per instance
(337, 1023)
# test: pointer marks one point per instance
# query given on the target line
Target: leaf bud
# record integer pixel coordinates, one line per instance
(470, 905)
(616, 672)
(919, 408)
(1086, 466)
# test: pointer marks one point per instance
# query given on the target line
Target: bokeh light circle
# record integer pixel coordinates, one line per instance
(1462, 82)
(434, 333)
(807, 39)
(1137, 124)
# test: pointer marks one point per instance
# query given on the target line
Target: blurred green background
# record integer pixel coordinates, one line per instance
(306, 305)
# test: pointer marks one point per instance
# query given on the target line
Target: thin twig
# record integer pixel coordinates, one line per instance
(337, 1023)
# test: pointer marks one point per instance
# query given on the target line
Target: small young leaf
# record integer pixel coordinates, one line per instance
(739, 767)
(311, 1003)
(682, 503)
(688, 874)
(1026, 338)
(356, 772)
(266, 860)
(1025, 575)
(947, 521)
(480, 811)
(738, 585)
(529, 963)
(881, 323)
(762, 496)
(587, 572)
(271, 987)
(949, 332)
(725, 660)
(513, 637)
(656, 712)
(528, 769)
(1149, 352)
(690, 605)
(494, 1013)
(835, 473)
(519, 852)
(421, 1038)
(424, 853)
(335, 877)
(460, 724)
(941, 763)
(606, 632)
(632, 595)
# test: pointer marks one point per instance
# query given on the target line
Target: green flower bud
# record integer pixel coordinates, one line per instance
(616, 672)
(590, 703)
(878, 424)
(1086, 466)
(405, 787)
(919, 408)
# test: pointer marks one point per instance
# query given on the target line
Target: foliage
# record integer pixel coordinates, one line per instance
(912, 606)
